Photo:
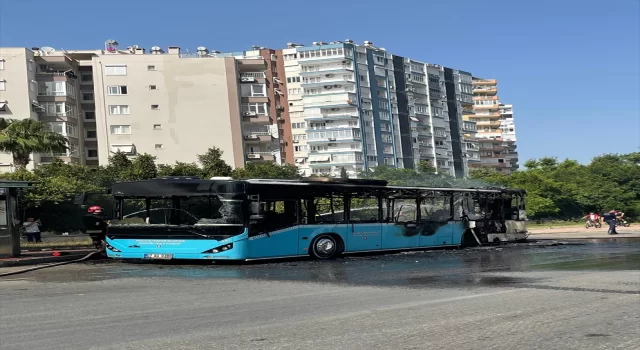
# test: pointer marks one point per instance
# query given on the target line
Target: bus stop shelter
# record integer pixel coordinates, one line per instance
(10, 222)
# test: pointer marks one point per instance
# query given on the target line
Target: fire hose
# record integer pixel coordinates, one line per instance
(50, 265)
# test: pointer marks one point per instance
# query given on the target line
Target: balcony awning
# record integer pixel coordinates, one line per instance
(319, 158)
(3, 105)
(299, 160)
(415, 119)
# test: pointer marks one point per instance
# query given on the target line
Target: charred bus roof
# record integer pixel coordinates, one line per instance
(165, 187)
(192, 186)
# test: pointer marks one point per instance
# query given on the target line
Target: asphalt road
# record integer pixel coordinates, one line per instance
(578, 296)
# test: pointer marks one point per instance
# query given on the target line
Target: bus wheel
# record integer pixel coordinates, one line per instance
(325, 247)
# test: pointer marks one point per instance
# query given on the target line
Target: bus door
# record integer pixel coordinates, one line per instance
(436, 221)
(364, 226)
(276, 233)
(400, 229)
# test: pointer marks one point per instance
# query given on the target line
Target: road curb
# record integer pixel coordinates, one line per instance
(40, 260)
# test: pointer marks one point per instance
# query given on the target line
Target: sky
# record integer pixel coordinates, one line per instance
(571, 68)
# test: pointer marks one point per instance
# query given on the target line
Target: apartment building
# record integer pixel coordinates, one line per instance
(357, 106)
(496, 130)
(42, 84)
(171, 105)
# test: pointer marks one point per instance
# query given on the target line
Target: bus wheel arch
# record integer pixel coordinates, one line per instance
(469, 239)
(326, 246)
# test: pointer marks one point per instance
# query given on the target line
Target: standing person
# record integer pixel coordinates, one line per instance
(610, 219)
(32, 227)
(95, 225)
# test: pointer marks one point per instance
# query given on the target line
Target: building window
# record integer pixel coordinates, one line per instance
(57, 127)
(155, 106)
(89, 115)
(298, 125)
(86, 77)
(91, 134)
(157, 126)
(87, 96)
(3, 85)
(151, 67)
(293, 80)
(258, 108)
(117, 90)
(153, 87)
(119, 109)
(115, 70)
(254, 90)
(56, 88)
(92, 153)
(159, 146)
(121, 129)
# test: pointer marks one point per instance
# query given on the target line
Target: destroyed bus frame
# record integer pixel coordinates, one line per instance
(188, 218)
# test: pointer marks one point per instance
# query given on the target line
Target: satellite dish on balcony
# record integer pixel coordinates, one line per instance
(47, 50)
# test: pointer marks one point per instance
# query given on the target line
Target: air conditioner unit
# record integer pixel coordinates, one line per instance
(328, 87)
(253, 156)
(247, 79)
(332, 139)
(296, 141)
(251, 137)
(280, 108)
(249, 114)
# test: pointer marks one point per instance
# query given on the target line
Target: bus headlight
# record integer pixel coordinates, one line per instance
(219, 249)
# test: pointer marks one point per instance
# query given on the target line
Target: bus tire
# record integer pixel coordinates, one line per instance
(326, 246)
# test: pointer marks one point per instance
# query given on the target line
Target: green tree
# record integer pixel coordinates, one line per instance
(266, 170)
(120, 168)
(426, 167)
(143, 167)
(213, 164)
(23, 137)
(180, 169)
(343, 173)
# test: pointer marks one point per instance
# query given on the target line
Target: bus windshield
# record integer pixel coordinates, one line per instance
(192, 211)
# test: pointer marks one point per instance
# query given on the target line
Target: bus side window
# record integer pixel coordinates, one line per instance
(329, 210)
(436, 209)
(405, 210)
(363, 210)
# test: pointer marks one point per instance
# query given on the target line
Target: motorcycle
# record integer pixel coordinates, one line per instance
(622, 222)
(595, 224)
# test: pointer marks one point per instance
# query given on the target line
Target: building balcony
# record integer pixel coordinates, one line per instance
(493, 124)
(257, 156)
(334, 140)
(486, 107)
(260, 119)
(258, 137)
(485, 98)
(484, 82)
(328, 83)
(251, 64)
(338, 100)
(326, 59)
(327, 71)
(485, 90)
(331, 116)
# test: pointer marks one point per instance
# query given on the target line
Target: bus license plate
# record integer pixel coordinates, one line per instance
(159, 256)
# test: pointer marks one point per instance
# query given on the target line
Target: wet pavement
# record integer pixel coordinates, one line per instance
(570, 295)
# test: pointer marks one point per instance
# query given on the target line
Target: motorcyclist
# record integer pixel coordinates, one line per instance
(592, 219)
(95, 225)
(620, 217)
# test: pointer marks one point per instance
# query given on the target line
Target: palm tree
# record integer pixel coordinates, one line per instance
(21, 137)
